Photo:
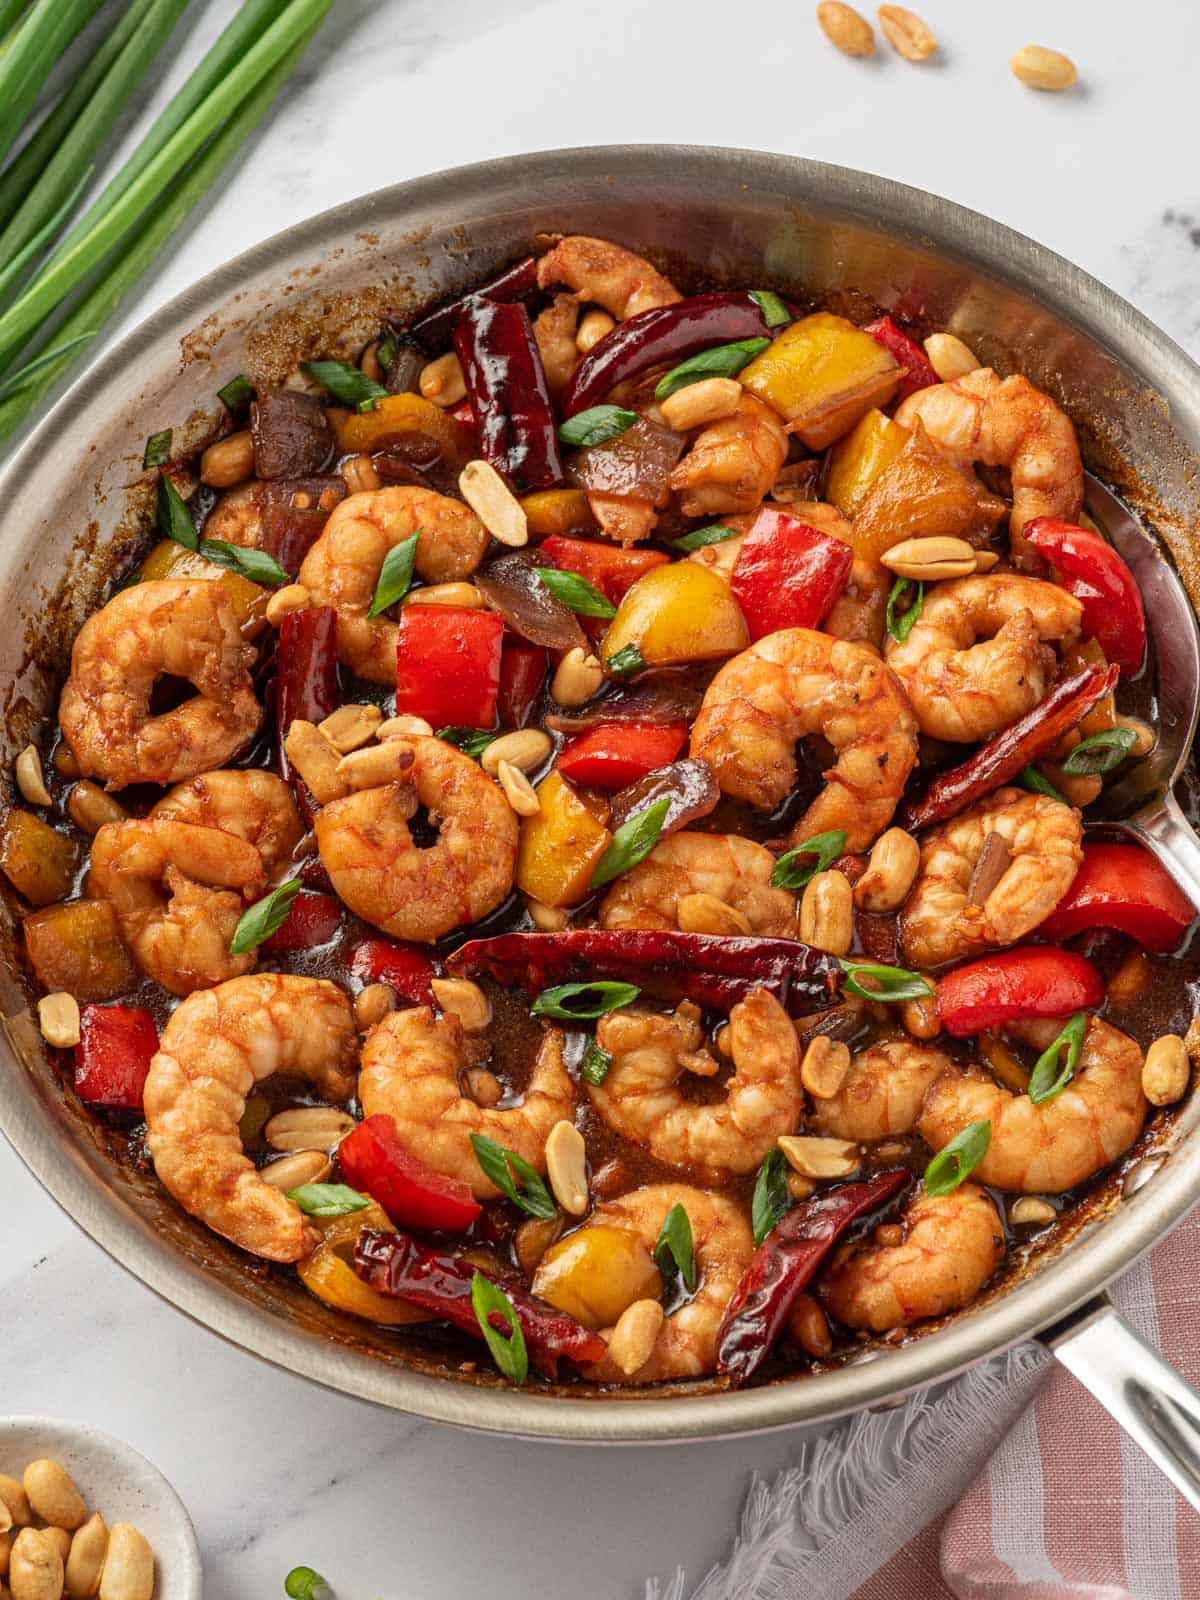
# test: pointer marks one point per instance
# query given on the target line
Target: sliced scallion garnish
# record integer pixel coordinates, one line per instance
(596, 425)
(774, 312)
(900, 623)
(793, 870)
(471, 741)
(722, 361)
(957, 1160)
(173, 517)
(714, 533)
(488, 1300)
(395, 575)
(236, 394)
(328, 1199)
(264, 918)
(576, 593)
(674, 1251)
(303, 1583)
(256, 565)
(625, 662)
(596, 1063)
(772, 1201)
(581, 1002)
(891, 985)
(1099, 752)
(1030, 778)
(1051, 1076)
(347, 384)
(513, 1176)
(158, 449)
(631, 843)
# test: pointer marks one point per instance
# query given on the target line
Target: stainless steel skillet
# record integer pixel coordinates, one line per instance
(823, 230)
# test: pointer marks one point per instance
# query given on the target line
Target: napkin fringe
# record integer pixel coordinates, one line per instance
(857, 1494)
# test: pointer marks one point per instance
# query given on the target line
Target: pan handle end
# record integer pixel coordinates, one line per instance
(1155, 1406)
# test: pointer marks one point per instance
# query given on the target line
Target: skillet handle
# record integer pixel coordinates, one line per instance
(1154, 1405)
(1165, 830)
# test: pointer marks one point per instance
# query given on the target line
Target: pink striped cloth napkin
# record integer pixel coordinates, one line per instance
(1067, 1507)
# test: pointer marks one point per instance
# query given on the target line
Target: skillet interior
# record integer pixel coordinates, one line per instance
(73, 501)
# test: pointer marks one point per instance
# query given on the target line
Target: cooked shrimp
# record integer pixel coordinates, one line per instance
(686, 1346)
(733, 462)
(410, 1068)
(607, 274)
(554, 331)
(734, 870)
(798, 682)
(622, 517)
(215, 1048)
(952, 1244)
(962, 690)
(256, 806)
(1040, 858)
(1047, 1148)
(881, 1095)
(179, 891)
(174, 628)
(1005, 422)
(411, 891)
(342, 568)
(640, 1098)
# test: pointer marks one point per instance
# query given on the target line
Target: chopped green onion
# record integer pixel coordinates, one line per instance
(631, 843)
(488, 1300)
(471, 741)
(236, 394)
(714, 533)
(791, 872)
(576, 592)
(302, 1583)
(722, 361)
(158, 449)
(348, 384)
(173, 517)
(596, 425)
(256, 565)
(264, 917)
(1050, 1077)
(596, 1063)
(900, 626)
(958, 1160)
(1030, 778)
(503, 1167)
(774, 312)
(1100, 752)
(625, 662)
(387, 349)
(674, 1251)
(894, 984)
(395, 576)
(594, 999)
(328, 1199)
(772, 1201)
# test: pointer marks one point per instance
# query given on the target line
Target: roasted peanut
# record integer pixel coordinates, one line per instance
(929, 560)
(824, 1067)
(35, 1569)
(633, 1338)
(58, 1018)
(368, 362)
(459, 997)
(61, 1540)
(705, 913)
(316, 760)
(949, 357)
(292, 597)
(809, 1326)
(813, 1157)
(442, 381)
(494, 503)
(566, 1167)
(375, 764)
(17, 1501)
(593, 326)
(518, 790)
(372, 1004)
(546, 919)
(307, 1128)
(5, 1541)
(359, 475)
(464, 595)
(920, 1017)
(533, 1238)
(1145, 738)
(484, 1087)
(891, 871)
(800, 1187)
(129, 1566)
(86, 1559)
(701, 403)
(403, 727)
(229, 461)
(89, 807)
(1039, 68)
(53, 1495)
(843, 27)
(906, 33)
(577, 678)
(1031, 1209)
(525, 749)
(30, 780)
(65, 763)
(350, 727)
(1166, 1071)
(827, 913)
(290, 1172)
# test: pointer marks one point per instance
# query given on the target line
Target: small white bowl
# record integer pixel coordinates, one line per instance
(118, 1483)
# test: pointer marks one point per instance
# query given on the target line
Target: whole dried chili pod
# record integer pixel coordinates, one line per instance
(663, 334)
(306, 683)
(509, 394)
(434, 331)
(784, 1265)
(396, 1265)
(710, 969)
(1010, 751)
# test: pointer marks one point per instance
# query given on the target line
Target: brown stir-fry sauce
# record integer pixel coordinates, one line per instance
(767, 548)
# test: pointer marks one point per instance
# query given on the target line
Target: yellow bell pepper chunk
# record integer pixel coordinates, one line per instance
(37, 861)
(678, 613)
(559, 846)
(78, 947)
(857, 460)
(597, 1273)
(399, 416)
(329, 1271)
(551, 511)
(821, 375)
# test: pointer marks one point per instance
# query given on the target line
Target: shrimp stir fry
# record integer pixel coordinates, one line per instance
(635, 774)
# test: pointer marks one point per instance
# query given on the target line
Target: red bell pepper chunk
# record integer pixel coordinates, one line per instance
(1122, 886)
(403, 967)
(1089, 568)
(374, 1161)
(523, 670)
(918, 373)
(448, 665)
(394, 1264)
(619, 753)
(605, 566)
(1032, 981)
(787, 574)
(312, 920)
(113, 1056)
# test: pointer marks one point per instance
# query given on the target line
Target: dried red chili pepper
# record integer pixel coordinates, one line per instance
(518, 282)
(396, 1265)
(518, 433)
(1010, 751)
(306, 684)
(662, 334)
(707, 968)
(784, 1265)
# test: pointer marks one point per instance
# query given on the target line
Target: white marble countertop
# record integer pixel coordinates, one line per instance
(276, 1472)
